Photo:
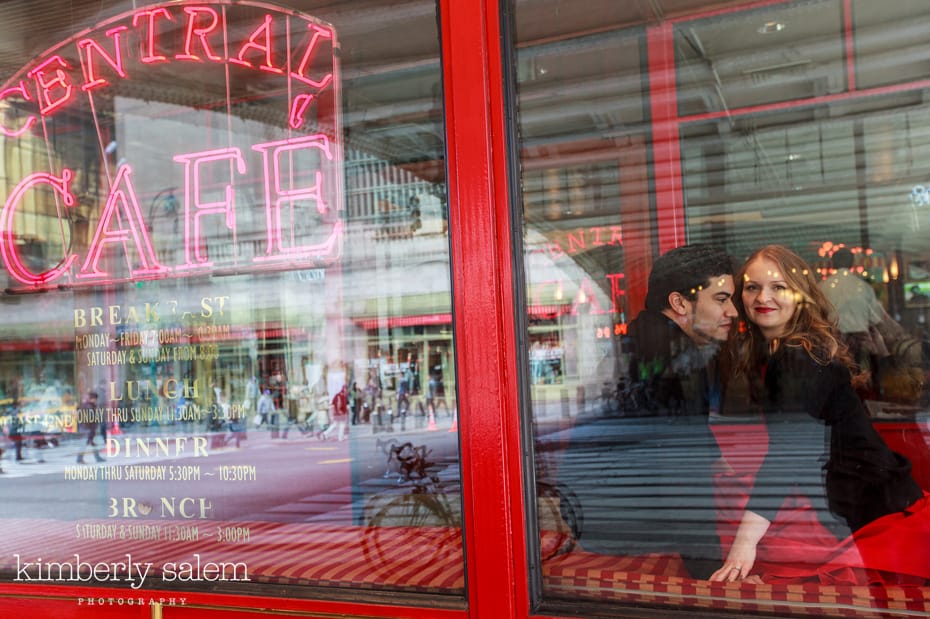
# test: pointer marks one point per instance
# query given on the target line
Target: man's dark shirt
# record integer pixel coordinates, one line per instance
(653, 490)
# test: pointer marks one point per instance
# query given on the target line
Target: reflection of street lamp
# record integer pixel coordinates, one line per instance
(171, 204)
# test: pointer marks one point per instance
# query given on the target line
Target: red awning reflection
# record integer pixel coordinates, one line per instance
(404, 321)
(548, 311)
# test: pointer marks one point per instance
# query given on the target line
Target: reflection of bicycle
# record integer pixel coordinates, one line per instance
(420, 500)
(559, 515)
(560, 518)
(628, 397)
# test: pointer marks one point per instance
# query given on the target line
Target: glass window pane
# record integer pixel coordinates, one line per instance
(674, 434)
(228, 359)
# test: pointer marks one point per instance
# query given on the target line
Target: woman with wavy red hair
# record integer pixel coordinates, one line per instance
(858, 505)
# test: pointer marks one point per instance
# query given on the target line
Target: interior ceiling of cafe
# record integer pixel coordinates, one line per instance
(579, 69)
(832, 170)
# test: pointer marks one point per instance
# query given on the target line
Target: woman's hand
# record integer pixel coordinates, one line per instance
(738, 564)
(742, 556)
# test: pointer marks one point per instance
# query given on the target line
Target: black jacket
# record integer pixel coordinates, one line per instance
(817, 424)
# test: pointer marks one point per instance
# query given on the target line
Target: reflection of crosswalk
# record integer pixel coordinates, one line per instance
(28, 468)
(37, 461)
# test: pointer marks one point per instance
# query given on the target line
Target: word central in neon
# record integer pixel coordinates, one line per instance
(189, 34)
(123, 229)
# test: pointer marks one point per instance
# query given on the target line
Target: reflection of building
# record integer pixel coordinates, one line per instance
(576, 308)
(396, 302)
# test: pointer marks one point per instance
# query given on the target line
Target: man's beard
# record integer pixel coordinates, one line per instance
(707, 337)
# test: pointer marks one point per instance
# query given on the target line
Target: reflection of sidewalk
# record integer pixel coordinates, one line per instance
(38, 460)
(412, 425)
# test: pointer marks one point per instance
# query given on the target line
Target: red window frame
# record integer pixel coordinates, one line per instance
(494, 515)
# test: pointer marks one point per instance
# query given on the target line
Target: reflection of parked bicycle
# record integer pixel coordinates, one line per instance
(405, 460)
(420, 500)
(558, 511)
(628, 397)
(560, 518)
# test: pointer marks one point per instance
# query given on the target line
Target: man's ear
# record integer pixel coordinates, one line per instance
(679, 304)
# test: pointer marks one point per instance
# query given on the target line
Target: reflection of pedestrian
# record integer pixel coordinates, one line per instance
(87, 414)
(251, 394)
(355, 402)
(858, 311)
(265, 407)
(432, 389)
(373, 388)
(236, 423)
(435, 392)
(16, 431)
(340, 409)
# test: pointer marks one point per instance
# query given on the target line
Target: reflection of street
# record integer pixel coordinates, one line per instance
(294, 479)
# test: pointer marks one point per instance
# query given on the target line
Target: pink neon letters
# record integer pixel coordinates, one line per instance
(262, 31)
(53, 84)
(30, 121)
(122, 226)
(121, 222)
(14, 264)
(87, 61)
(195, 209)
(203, 39)
(200, 32)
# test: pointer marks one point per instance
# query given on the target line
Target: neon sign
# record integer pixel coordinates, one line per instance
(53, 83)
(298, 177)
(580, 240)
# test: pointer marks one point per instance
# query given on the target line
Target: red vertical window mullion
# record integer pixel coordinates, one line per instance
(663, 105)
(484, 309)
(849, 45)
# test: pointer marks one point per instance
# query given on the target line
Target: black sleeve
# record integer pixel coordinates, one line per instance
(796, 401)
(822, 444)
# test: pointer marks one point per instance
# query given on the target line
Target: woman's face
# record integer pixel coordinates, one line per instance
(769, 302)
